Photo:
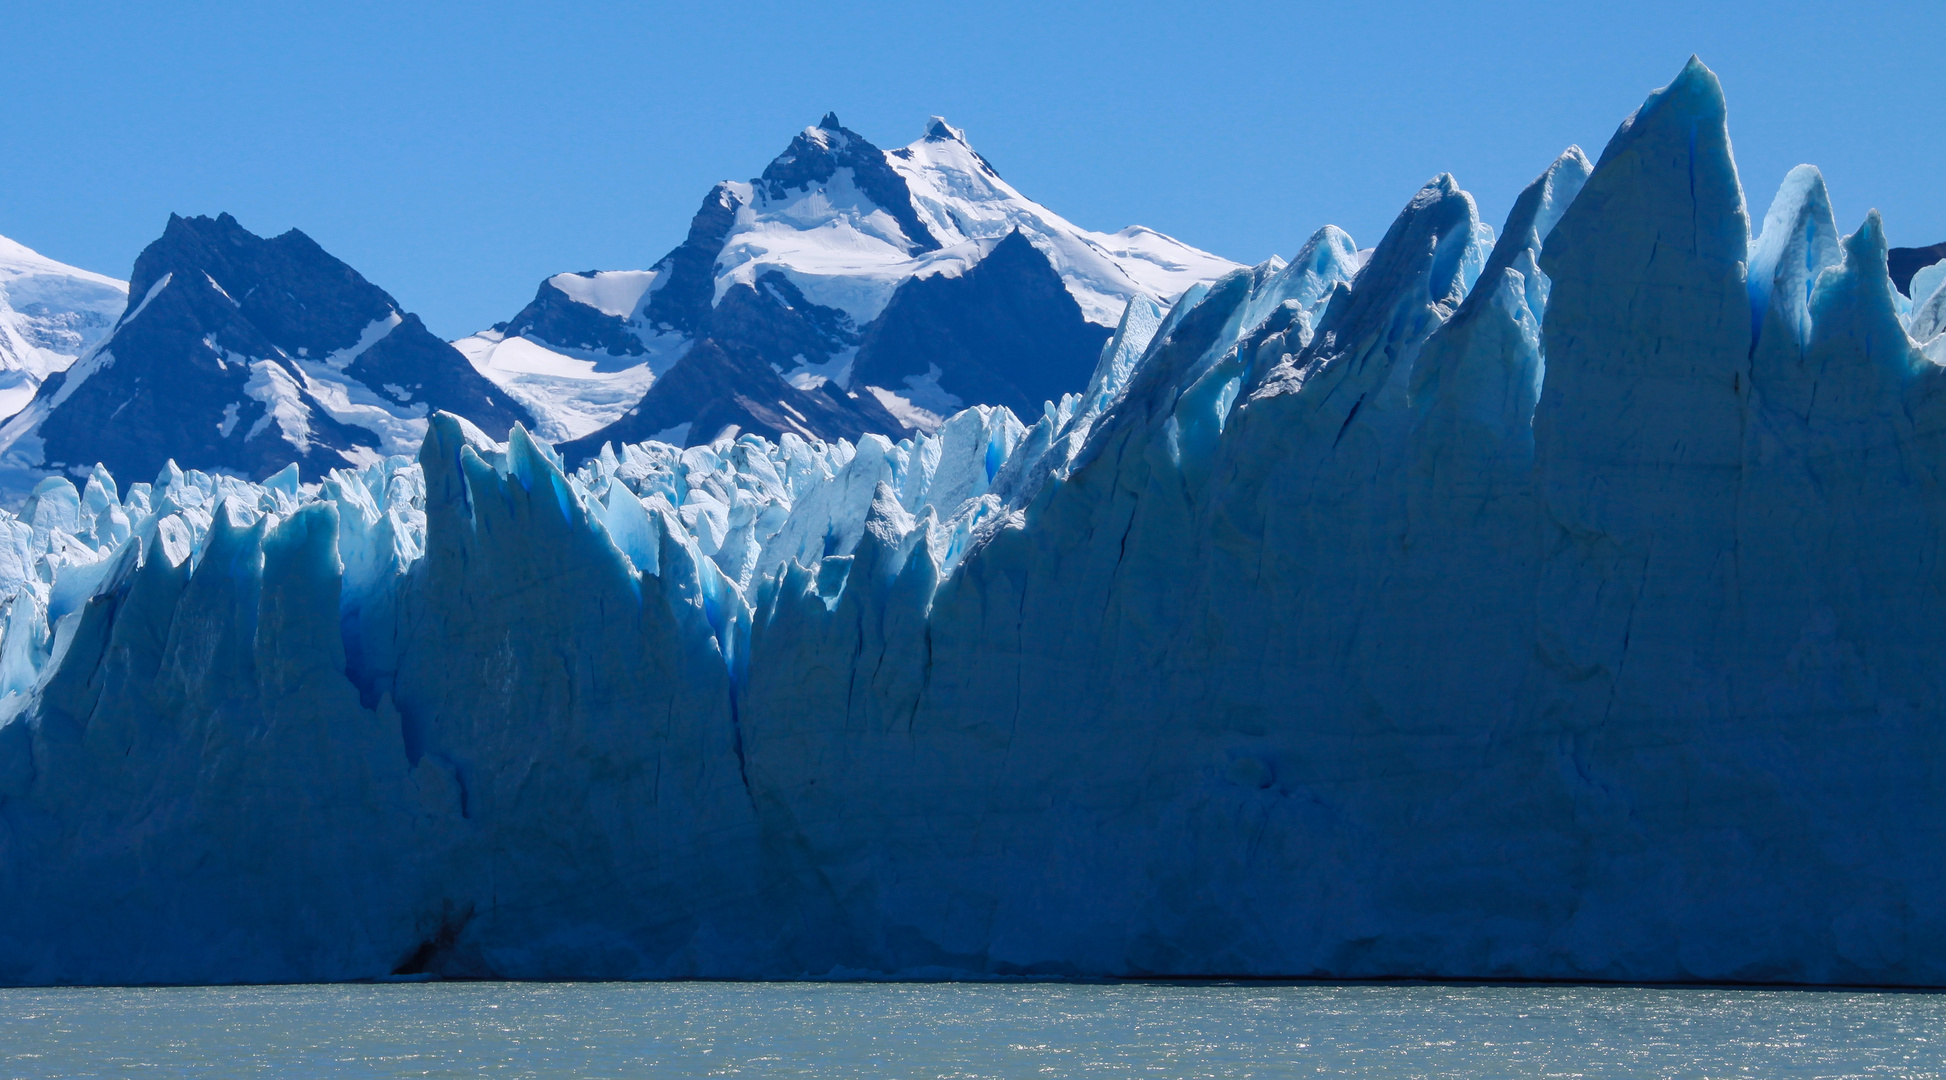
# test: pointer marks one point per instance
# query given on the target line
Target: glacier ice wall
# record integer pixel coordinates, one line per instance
(1565, 603)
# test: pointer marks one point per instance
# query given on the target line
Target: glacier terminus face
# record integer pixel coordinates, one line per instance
(1561, 601)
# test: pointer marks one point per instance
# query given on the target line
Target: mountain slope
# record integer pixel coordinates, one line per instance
(242, 354)
(798, 266)
(1005, 332)
(1552, 606)
(719, 390)
(50, 314)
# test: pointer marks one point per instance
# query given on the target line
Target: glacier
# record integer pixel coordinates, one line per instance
(1563, 602)
(51, 314)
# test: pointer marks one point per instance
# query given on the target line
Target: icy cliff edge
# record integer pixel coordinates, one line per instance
(1565, 603)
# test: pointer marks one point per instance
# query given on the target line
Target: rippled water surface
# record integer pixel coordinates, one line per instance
(967, 1030)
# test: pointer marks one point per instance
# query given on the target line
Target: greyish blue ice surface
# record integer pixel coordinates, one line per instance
(1564, 605)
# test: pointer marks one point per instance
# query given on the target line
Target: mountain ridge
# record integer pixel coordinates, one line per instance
(51, 314)
(799, 264)
(1561, 603)
(245, 354)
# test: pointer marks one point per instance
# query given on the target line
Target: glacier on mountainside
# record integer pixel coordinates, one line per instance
(50, 315)
(241, 354)
(804, 266)
(1556, 603)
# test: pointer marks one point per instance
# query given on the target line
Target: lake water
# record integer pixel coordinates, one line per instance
(967, 1030)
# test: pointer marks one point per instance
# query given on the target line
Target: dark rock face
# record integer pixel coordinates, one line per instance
(776, 323)
(290, 289)
(1006, 332)
(221, 323)
(558, 319)
(681, 300)
(713, 387)
(1905, 262)
(413, 358)
(774, 319)
(164, 395)
(815, 156)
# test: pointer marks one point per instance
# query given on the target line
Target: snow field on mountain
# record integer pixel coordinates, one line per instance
(1548, 604)
(569, 395)
(50, 315)
(844, 251)
(829, 237)
(611, 292)
(960, 197)
(747, 507)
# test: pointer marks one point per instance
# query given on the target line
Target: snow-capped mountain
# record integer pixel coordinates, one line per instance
(242, 354)
(1563, 603)
(904, 283)
(50, 314)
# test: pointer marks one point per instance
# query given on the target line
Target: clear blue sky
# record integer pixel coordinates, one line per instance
(457, 154)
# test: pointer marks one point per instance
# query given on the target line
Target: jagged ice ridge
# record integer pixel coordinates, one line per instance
(1561, 605)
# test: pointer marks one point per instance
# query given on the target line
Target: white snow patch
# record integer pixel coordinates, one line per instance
(570, 393)
(905, 412)
(51, 315)
(926, 393)
(843, 251)
(283, 402)
(154, 291)
(361, 456)
(809, 376)
(400, 428)
(18, 391)
(611, 292)
(373, 333)
(220, 290)
(959, 198)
